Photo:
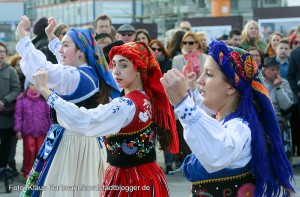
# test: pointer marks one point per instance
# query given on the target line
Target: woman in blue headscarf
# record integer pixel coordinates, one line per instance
(69, 164)
(240, 153)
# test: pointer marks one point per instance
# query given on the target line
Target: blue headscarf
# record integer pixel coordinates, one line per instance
(269, 162)
(85, 40)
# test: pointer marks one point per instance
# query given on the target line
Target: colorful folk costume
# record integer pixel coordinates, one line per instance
(236, 156)
(66, 159)
(130, 124)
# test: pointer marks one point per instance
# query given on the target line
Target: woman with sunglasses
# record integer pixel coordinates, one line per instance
(61, 30)
(191, 50)
(162, 55)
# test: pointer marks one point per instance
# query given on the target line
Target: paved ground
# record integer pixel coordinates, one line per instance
(178, 185)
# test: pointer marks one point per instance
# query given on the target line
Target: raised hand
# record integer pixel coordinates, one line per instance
(191, 79)
(23, 27)
(50, 28)
(175, 86)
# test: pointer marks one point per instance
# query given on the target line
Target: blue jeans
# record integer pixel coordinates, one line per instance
(169, 157)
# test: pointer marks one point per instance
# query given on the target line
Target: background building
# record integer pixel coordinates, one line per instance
(165, 13)
(10, 14)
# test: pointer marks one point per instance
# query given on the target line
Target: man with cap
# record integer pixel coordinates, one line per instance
(126, 33)
(279, 89)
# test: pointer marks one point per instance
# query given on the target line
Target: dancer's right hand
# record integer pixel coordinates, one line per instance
(23, 27)
(50, 28)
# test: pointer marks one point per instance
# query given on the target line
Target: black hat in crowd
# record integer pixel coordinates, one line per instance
(40, 25)
(107, 48)
(103, 35)
(270, 62)
(126, 28)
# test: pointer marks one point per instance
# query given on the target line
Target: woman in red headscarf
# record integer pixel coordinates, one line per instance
(130, 123)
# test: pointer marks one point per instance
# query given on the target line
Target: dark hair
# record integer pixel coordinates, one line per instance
(103, 35)
(105, 91)
(142, 31)
(284, 41)
(2, 44)
(175, 43)
(161, 45)
(234, 32)
(102, 17)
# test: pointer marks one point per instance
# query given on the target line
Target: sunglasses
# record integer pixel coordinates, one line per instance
(63, 33)
(296, 42)
(190, 42)
(128, 34)
(156, 49)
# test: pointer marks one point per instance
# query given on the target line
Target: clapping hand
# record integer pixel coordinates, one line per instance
(23, 27)
(175, 86)
(50, 28)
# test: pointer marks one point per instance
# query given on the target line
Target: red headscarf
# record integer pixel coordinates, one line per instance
(144, 60)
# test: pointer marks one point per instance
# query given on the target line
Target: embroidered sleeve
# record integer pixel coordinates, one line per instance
(101, 121)
(216, 146)
(186, 111)
(54, 99)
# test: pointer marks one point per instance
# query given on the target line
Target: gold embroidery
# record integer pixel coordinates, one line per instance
(131, 133)
(222, 179)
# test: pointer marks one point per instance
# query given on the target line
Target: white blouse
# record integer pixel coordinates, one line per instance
(101, 121)
(54, 46)
(216, 145)
(63, 79)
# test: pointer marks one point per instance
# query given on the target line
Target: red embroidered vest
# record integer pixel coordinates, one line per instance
(134, 144)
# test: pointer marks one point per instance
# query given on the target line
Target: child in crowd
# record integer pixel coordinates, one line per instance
(32, 121)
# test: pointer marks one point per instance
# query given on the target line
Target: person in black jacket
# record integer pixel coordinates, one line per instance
(162, 55)
(293, 76)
